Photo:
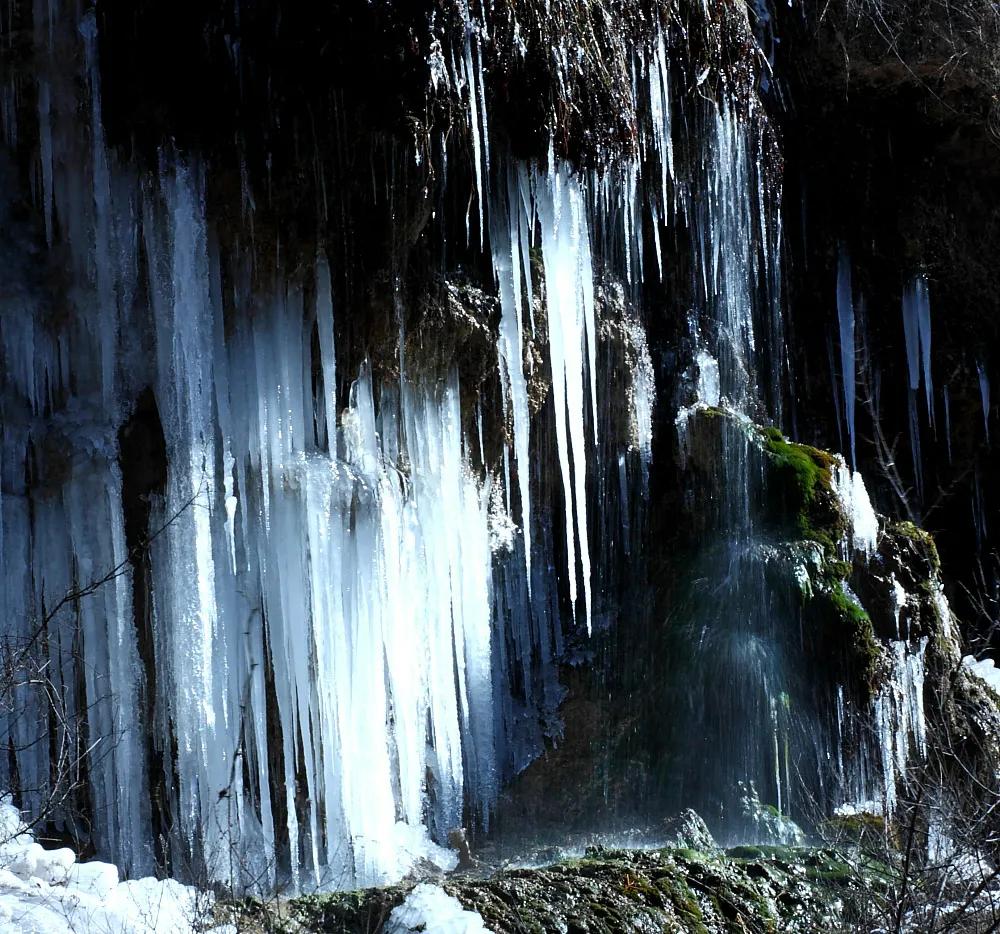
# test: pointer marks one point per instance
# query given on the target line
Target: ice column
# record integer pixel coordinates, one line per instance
(569, 290)
(845, 314)
(917, 333)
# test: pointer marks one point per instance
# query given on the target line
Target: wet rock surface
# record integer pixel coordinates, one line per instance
(773, 889)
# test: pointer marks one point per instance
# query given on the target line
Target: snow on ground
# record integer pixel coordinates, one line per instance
(430, 908)
(49, 892)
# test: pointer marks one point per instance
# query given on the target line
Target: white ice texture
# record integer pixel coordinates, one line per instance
(985, 668)
(849, 488)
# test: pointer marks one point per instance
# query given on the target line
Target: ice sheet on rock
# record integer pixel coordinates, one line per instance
(430, 908)
(704, 383)
(899, 716)
(942, 608)
(849, 488)
(708, 389)
(899, 599)
(642, 394)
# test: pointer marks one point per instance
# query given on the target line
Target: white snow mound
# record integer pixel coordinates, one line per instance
(49, 892)
(429, 908)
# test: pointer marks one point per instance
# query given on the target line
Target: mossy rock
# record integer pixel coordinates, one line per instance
(807, 478)
(862, 828)
(920, 542)
(768, 889)
(846, 629)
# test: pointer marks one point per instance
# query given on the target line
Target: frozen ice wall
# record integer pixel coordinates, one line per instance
(321, 586)
(297, 672)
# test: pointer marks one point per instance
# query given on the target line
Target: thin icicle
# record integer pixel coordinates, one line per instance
(984, 394)
(324, 324)
(845, 314)
(506, 227)
(917, 333)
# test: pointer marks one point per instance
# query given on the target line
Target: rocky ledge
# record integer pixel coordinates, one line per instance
(676, 889)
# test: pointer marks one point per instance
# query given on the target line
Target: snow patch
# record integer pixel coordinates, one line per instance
(430, 908)
(985, 669)
(49, 892)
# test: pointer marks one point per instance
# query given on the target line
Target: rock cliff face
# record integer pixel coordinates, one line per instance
(420, 416)
(890, 151)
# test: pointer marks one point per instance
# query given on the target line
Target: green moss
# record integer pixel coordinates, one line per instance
(807, 473)
(849, 619)
(784, 854)
(838, 570)
(684, 902)
(922, 541)
(764, 889)
(689, 855)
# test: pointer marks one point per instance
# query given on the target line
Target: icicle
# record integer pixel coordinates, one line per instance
(506, 226)
(917, 331)
(569, 282)
(327, 585)
(473, 81)
(947, 419)
(845, 313)
(324, 322)
(984, 393)
(659, 109)
(45, 145)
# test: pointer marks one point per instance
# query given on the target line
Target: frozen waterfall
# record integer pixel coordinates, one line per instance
(296, 667)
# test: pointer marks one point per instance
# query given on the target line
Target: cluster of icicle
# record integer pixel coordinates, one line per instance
(916, 320)
(331, 628)
(898, 706)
